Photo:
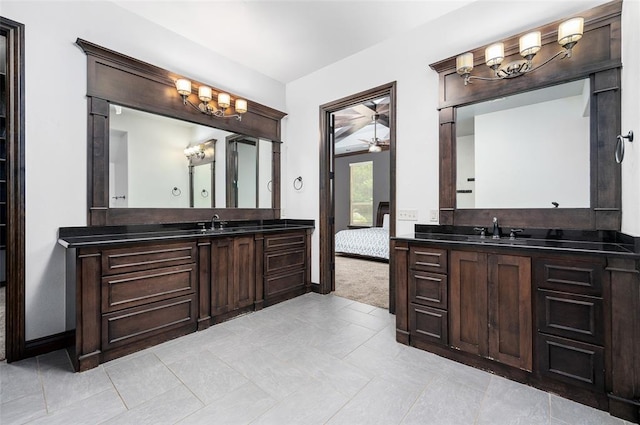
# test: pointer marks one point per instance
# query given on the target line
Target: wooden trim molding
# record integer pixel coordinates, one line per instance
(597, 57)
(15, 262)
(327, 207)
(47, 344)
(116, 78)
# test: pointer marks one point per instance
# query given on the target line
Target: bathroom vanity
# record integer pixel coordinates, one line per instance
(558, 306)
(557, 310)
(151, 266)
(136, 286)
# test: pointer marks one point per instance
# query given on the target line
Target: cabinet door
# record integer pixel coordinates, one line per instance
(510, 333)
(244, 280)
(222, 296)
(468, 302)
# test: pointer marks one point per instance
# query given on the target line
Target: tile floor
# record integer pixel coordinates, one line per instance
(311, 360)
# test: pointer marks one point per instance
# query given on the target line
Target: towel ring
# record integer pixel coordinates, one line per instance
(298, 183)
(620, 145)
(204, 193)
(176, 191)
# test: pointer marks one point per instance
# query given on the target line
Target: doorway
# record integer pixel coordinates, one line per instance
(328, 176)
(12, 178)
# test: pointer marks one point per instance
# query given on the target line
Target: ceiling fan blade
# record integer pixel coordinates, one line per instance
(366, 141)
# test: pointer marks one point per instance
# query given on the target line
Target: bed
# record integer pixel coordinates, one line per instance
(369, 242)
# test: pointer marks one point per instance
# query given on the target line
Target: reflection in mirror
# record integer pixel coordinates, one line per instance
(148, 167)
(530, 150)
(202, 195)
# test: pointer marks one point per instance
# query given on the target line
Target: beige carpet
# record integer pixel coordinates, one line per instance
(363, 281)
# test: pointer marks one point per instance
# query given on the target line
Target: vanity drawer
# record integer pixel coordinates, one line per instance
(281, 283)
(128, 326)
(145, 257)
(428, 324)
(284, 241)
(428, 259)
(571, 361)
(137, 288)
(280, 261)
(428, 288)
(573, 275)
(573, 316)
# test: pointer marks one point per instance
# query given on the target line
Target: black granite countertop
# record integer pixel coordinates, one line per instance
(577, 241)
(79, 237)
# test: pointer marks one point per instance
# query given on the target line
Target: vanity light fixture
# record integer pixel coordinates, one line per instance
(569, 32)
(196, 151)
(205, 94)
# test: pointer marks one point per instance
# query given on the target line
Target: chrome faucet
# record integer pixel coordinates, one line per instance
(496, 229)
(216, 219)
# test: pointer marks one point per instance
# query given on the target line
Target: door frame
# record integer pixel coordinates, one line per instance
(327, 201)
(15, 263)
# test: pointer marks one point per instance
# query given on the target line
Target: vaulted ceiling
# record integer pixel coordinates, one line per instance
(289, 39)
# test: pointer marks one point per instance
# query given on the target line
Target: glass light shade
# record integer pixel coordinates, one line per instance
(464, 63)
(494, 54)
(204, 93)
(530, 43)
(183, 86)
(224, 100)
(375, 148)
(570, 31)
(241, 106)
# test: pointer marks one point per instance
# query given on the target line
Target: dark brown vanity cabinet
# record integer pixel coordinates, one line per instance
(563, 320)
(490, 306)
(570, 319)
(233, 274)
(131, 297)
(428, 294)
(286, 271)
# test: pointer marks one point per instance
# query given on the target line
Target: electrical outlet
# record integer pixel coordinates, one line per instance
(433, 216)
(408, 215)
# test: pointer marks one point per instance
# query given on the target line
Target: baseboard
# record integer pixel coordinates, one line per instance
(47, 344)
(315, 287)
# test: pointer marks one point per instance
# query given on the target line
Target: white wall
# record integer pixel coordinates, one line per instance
(520, 164)
(631, 116)
(404, 59)
(56, 123)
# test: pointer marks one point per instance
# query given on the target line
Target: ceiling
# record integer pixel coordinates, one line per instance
(360, 126)
(286, 40)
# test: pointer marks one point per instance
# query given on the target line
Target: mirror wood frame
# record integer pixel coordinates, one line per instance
(597, 57)
(115, 78)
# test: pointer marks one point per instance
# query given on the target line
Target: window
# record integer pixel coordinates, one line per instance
(361, 193)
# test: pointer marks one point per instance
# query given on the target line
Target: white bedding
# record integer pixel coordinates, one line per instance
(370, 242)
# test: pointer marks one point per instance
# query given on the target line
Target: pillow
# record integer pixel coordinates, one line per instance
(385, 221)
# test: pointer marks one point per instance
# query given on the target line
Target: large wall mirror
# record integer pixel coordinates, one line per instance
(149, 168)
(153, 159)
(536, 151)
(528, 150)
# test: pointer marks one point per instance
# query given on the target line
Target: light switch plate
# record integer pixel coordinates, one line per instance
(433, 216)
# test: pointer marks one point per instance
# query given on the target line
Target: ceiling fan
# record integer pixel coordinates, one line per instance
(375, 144)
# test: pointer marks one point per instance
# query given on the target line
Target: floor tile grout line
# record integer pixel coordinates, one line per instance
(181, 381)
(424, 388)
(115, 388)
(41, 379)
(484, 397)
